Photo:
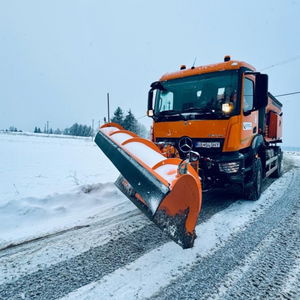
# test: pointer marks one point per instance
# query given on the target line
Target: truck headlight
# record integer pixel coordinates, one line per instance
(227, 107)
(229, 167)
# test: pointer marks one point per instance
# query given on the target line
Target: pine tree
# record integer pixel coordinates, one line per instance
(35, 129)
(57, 131)
(85, 130)
(80, 130)
(88, 131)
(66, 131)
(73, 130)
(118, 116)
(130, 122)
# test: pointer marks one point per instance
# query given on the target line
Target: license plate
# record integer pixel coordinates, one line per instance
(208, 144)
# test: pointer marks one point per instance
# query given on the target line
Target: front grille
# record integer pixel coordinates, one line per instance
(204, 146)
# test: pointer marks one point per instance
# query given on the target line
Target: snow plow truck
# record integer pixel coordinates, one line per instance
(213, 126)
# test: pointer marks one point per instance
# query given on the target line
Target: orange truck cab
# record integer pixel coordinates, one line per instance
(221, 118)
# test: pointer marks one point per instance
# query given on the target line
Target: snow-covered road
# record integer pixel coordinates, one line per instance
(244, 249)
(230, 245)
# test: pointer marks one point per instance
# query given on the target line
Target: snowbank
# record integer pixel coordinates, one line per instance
(50, 184)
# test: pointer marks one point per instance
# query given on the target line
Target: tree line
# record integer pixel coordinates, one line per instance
(76, 129)
(128, 121)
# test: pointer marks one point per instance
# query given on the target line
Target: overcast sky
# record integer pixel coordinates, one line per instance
(58, 59)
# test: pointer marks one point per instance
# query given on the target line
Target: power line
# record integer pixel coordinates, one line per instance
(288, 94)
(282, 62)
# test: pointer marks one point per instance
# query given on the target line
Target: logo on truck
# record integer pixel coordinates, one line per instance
(247, 125)
(185, 144)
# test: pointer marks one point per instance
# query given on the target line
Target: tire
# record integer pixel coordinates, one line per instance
(253, 189)
(278, 172)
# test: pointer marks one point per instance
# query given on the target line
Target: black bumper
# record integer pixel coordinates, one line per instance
(214, 173)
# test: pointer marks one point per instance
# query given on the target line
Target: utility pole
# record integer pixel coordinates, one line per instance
(93, 127)
(108, 117)
(93, 132)
(47, 126)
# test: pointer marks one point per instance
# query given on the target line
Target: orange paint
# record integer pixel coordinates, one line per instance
(229, 65)
(185, 195)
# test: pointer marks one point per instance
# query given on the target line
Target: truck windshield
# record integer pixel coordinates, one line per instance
(205, 94)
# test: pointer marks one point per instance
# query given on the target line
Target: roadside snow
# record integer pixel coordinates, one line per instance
(34, 166)
(50, 184)
(294, 156)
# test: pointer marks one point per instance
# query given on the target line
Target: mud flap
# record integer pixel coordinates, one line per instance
(151, 181)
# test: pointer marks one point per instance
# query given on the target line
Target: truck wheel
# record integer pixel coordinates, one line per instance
(253, 190)
(278, 172)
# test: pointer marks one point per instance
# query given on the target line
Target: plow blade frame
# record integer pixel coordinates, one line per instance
(169, 199)
(142, 181)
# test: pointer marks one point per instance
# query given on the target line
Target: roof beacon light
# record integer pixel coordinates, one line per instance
(227, 58)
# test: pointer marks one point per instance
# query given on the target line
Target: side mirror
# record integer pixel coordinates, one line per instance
(150, 104)
(154, 86)
(261, 91)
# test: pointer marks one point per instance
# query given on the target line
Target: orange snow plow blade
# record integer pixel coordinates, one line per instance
(171, 199)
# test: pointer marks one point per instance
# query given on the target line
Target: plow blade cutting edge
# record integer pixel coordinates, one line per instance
(152, 182)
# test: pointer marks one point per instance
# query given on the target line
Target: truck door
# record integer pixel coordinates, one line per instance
(249, 116)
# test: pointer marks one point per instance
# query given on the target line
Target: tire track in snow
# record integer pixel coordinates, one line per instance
(31, 257)
(64, 277)
(292, 284)
(267, 275)
(271, 270)
(156, 269)
(206, 278)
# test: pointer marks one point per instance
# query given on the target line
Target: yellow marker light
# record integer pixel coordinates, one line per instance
(226, 107)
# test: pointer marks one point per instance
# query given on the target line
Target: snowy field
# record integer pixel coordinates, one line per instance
(52, 183)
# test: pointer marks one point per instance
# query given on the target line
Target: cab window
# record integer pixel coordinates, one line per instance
(165, 101)
(248, 94)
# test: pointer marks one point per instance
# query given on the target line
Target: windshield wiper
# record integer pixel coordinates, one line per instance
(191, 109)
(201, 111)
(169, 112)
